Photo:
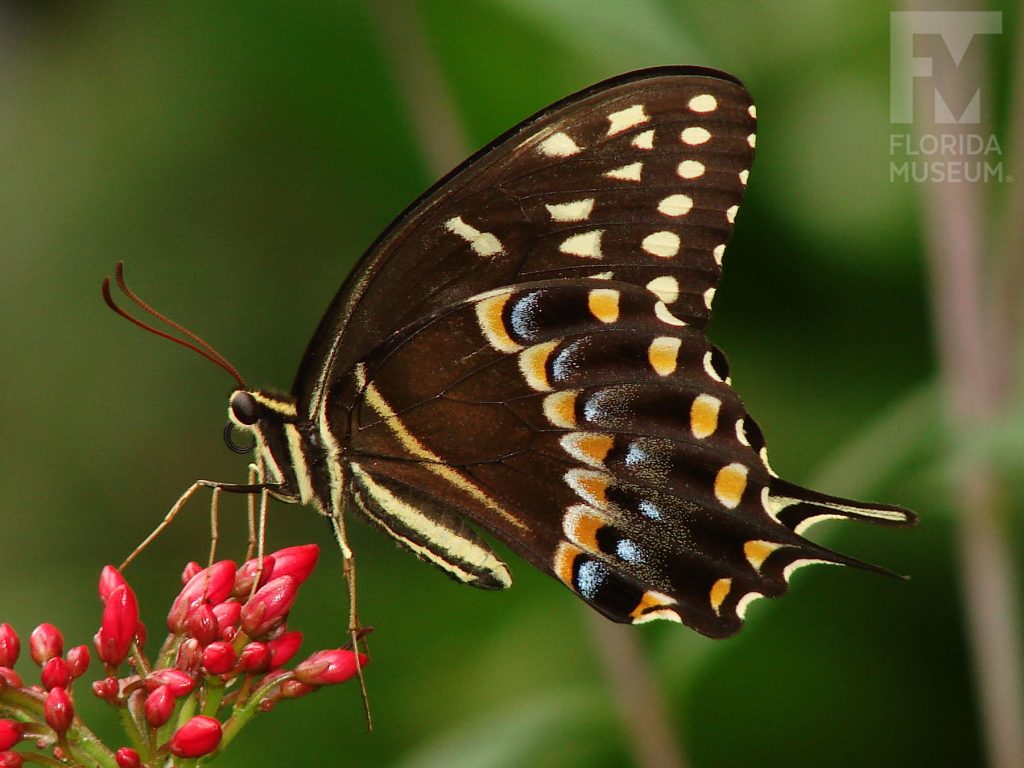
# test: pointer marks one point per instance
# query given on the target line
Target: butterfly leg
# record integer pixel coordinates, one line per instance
(354, 629)
(168, 519)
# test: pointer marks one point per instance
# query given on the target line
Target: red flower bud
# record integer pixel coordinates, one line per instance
(140, 635)
(44, 643)
(10, 733)
(212, 585)
(10, 645)
(282, 649)
(202, 624)
(9, 677)
(106, 689)
(127, 757)
(56, 673)
(269, 606)
(227, 614)
(198, 737)
(255, 658)
(159, 706)
(173, 679)
(110, 578)
(219, 658)
(58, 711)
(247, 575)
(78, 661)
(11, 760)
(329, 667)
(297, 562)
(190, 656)
(120, 623)
(190, 570)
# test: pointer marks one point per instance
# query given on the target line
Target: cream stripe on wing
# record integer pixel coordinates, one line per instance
(443, 539)
(432, 461)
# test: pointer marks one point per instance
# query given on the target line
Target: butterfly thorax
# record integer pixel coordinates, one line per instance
(287, 447)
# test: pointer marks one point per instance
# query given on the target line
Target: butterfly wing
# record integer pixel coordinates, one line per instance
(524, 348)
(639, 176)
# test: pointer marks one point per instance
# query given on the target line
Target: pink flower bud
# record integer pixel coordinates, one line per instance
(159, 706)
(78, 661)
(247, 575)
(44, 643)
(282, 649)
(190, 570)
(212, 585)
(297, 562)
(329, 667)
(127, 757)
(255, 658)
(120, 623)
(198, 737)
(10, 645)
(9, 677)
(227, 614)
(202, 624)
(11, 760)
(56, 674)
(110, 578)
(58, 711)
(189, 657)
(10, 733)
(176, 681)
(219, 657)
(106, 689)
(269, 606)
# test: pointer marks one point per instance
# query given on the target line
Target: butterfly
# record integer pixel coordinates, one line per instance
(523, 351)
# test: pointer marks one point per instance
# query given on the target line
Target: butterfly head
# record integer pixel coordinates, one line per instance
(271, 421)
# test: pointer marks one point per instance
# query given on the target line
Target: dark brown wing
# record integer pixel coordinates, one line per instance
(639, 176)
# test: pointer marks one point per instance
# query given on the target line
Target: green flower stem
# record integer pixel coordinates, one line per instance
(214, 696)
(244, 713)
(131, 727)
(41, 759)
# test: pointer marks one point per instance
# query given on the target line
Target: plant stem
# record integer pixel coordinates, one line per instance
(972, 350)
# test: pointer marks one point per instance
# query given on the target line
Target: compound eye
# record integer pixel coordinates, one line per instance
(244, 408)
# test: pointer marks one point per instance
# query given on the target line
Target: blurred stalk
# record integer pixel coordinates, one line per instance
(974, 350)
(439, 132)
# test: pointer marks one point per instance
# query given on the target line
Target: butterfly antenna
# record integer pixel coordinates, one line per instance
(200, 347)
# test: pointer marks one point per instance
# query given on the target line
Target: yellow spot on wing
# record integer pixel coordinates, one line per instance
(653, 605)
(560, 409)
(730, 482)
(626, 118)
(704, 415)
(590, 486)
(589, 447)
(663, 353)
(581, 526)
(604, 304)
(492, 324)
(756, 551)
(719, 591)
(533, 363)
(565, 556)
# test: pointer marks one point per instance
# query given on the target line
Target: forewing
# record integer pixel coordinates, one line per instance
(638, 179)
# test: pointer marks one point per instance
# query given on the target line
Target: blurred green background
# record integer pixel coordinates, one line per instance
(240, 156)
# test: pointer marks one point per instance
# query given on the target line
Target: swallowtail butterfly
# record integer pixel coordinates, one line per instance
(523, 350)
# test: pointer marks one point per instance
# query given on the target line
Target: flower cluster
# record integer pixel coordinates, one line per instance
(222, 662)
